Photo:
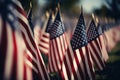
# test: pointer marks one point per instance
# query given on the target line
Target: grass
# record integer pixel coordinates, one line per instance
(112, 70)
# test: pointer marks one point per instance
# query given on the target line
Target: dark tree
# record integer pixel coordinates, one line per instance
(65, 4)
(112, 11)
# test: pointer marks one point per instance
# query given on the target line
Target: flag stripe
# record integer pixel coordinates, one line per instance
(3, 48)
(96, 55)
(9, 51)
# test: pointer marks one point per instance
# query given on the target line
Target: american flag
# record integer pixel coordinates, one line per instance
(57, 44)
(95, 49)
(11, 59)
(33, 57)
(77, 64)
(45, 37)
(102, 43)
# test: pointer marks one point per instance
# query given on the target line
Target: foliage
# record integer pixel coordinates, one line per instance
(65, 4)
(112, 11)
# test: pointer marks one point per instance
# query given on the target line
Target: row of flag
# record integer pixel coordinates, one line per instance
(73, 57)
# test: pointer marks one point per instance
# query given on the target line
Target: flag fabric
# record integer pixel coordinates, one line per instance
(33, 57)
(57, 44)
(77, 64)
(102, 43)
(94, 47)
(44, 39)
(12, 66)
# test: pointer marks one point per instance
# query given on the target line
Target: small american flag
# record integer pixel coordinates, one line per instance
(95, 49)
(77, 65)
(45, 38)
(57, 44)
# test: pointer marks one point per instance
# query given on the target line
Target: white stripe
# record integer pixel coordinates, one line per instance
(29, 73)
(43, 44)
(20, 53)
(9, 53)
(45, 39)
(65, 41)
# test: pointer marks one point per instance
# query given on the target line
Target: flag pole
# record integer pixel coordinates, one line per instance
(29, 9)
(45, 24)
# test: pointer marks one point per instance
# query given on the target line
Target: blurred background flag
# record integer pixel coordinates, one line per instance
(33, 57)
(57, 44)
(94, 47)
(12, 54)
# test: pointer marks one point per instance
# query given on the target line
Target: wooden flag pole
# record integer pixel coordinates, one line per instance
(45, 25)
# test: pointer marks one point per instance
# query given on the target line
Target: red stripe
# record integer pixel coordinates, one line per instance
(3, 49)
(14, 65)
(46, 35)
(43, 41)
(25, 73)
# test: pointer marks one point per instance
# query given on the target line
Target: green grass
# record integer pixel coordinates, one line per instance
(112, 70)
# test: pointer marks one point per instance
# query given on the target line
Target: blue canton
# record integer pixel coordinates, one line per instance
(79, 38)
(57, 27)
(92, 32)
